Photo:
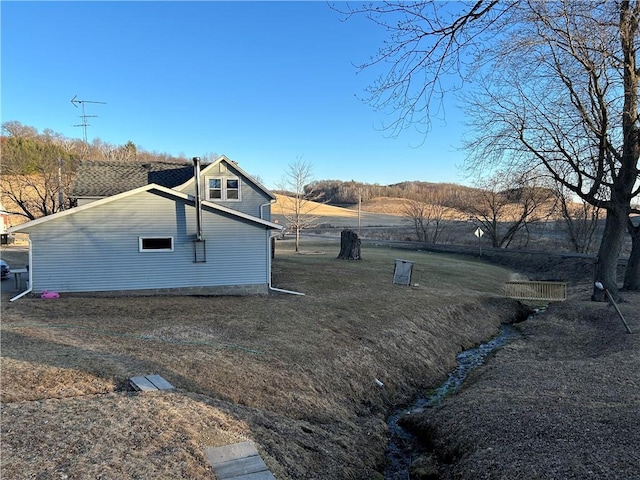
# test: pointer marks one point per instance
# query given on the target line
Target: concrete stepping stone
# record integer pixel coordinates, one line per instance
(239, 461)
(149, 383)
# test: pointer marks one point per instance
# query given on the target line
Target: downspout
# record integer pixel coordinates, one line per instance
(274, 289)
(271, 288)
(30, 287)
(265, 205)
(196, 167)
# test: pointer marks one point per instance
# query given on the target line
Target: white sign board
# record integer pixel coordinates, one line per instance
(479, 232)
(402, 272)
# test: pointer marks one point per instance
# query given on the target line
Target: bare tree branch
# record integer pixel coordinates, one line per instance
(298, 205)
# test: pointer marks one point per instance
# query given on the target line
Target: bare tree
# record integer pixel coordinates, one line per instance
(209, 157)
(424, 56)
(416, 213)
(572, 111)
(560, 90)
(437, 211)
(298, 205)
(37, 169)
(580, 220)
(506, 206)
(426, 216)
(36, 172)
(18, 130)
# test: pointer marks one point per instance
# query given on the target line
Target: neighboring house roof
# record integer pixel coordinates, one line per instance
(97, 178)
(153, 188)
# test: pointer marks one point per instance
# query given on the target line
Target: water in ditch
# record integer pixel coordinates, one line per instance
(402, 444)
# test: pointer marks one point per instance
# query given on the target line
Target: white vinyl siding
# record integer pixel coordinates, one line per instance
(250, 197)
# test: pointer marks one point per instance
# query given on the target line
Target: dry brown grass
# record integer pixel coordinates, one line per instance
(294, 374)
(562, 401)
(338, 216)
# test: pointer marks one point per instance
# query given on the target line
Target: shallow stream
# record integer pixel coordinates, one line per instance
(403, 446)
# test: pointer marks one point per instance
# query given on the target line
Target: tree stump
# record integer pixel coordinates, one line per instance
(349, 245)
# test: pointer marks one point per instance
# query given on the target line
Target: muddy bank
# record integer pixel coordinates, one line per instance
(563, 401)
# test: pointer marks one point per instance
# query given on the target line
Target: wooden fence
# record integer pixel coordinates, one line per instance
(537, 291)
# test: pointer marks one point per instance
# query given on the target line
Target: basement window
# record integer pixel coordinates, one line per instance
(155, 244)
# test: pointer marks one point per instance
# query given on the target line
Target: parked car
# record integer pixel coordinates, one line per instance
(4, 269)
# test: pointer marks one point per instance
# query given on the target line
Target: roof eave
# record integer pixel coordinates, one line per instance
(146, 188)
(102, 201)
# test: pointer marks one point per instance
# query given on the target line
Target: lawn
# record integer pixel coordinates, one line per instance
(294, 374)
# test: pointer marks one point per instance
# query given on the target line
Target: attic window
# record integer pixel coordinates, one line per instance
(232, 188)
(223, 188)
(214, 192)
(155, 244)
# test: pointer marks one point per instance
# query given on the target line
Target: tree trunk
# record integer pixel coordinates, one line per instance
(349, 245)
(297, 239)
(628, 174)
(632, 272)
(607, 263)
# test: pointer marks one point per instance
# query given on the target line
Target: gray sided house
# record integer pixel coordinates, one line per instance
(125, 238)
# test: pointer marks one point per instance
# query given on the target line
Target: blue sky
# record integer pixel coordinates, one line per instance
(261, 82)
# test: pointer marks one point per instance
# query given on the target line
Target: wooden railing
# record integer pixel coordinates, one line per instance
(543, 291)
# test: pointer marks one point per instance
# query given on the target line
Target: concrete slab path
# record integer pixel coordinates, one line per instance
(239, 461)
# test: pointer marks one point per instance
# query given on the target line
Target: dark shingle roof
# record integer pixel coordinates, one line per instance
(106, 178)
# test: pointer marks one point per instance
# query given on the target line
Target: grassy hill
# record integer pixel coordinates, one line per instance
(337, 216)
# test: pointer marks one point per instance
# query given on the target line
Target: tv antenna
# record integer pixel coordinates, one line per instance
(84, 116)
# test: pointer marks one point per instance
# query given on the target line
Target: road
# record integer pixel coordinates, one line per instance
(17, 256)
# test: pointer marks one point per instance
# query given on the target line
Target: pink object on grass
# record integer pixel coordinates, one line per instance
(47, 294)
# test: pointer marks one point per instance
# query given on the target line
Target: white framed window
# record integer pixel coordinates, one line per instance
(223, 188)
(155, 244)
(214, 188)
(232, 188)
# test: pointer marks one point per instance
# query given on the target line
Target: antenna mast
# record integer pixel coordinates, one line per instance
(84, 116)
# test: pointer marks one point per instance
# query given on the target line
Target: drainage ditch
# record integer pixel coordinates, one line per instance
(403, 446)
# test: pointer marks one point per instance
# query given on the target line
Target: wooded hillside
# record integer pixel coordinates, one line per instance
(337, 192)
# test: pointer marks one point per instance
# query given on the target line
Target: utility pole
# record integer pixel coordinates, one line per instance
(60, 193)
(359, 207)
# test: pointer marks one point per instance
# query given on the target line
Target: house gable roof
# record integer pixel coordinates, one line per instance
(233, 166)
(152, 188)
(96, 178)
